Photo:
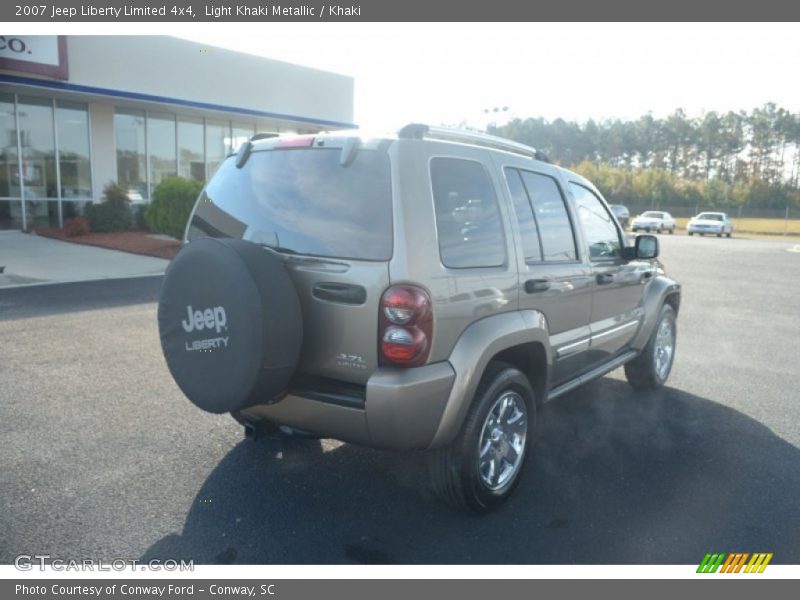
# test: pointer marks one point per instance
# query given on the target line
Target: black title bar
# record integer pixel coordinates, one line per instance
(76, 11)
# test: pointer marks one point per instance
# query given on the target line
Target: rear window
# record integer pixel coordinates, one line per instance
(303, 201)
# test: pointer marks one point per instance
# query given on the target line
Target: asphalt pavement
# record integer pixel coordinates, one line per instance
(102, 457)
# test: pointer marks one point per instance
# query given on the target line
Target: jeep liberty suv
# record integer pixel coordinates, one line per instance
(422, 291)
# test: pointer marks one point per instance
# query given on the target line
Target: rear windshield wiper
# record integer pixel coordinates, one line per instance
(281, 250)
(269, 239)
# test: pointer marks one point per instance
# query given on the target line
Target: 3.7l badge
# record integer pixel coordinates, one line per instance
(351, 361)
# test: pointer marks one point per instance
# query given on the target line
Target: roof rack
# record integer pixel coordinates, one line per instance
(420, 131)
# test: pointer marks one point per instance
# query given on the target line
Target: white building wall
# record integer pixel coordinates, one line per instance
(163, 66)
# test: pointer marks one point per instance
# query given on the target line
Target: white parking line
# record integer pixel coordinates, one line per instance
(795, 248)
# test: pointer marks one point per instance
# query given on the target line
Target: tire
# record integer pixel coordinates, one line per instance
(458, 476)
(647, 371)
(691, 233)
(729, 234)
(719, 234)
(672, 231)
(660, 229)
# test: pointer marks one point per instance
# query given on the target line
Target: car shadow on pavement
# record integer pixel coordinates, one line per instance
(58, 298)
(616, 477)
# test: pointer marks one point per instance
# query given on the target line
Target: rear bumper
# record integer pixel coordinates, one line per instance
(402, 409)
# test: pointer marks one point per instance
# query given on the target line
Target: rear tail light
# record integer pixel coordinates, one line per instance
(406, 326)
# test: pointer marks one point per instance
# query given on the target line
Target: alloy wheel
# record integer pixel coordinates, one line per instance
(502, 441)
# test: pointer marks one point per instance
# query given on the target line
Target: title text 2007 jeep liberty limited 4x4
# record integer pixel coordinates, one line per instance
(424, 291)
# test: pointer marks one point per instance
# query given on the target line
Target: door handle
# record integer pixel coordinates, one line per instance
(340, 292)
(536, 285)
(605, 278)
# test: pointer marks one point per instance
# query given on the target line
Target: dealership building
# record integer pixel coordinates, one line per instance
(78, 112)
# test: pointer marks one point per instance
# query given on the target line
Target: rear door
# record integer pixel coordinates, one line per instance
(330, 218)
(617, 307)
(552, 277)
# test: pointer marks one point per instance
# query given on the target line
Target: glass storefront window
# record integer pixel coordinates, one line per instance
(72, 123)
(38, 147)
(9, 165)
(54, 170)
(217, 140)
(131, 157)
(241, 132)
(161, 146)
(191, 146)
(38, 160)
(38, 133)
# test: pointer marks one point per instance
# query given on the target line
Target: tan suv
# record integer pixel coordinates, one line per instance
(423, 291)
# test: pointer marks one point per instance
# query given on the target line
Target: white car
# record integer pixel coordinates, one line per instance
(717, 223)
(654, 220)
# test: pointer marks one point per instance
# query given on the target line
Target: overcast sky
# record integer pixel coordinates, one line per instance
(448, 73)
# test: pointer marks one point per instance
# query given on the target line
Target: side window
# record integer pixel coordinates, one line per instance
(524, 212)
(555, 229)
(467, 215)
(598, 225)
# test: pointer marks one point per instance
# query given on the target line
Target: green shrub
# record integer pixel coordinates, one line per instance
(114, 193)
(171, 205)
(113, 214)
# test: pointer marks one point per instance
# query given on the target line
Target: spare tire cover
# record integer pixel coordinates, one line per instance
(230, 324)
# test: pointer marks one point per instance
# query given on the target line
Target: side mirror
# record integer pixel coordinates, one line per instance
(646, 246)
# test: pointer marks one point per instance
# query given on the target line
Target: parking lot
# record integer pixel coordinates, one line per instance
(103, 457)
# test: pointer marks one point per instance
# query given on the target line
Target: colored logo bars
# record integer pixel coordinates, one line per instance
(735, 562)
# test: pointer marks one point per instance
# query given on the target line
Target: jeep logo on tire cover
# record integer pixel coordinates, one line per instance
(210, 318)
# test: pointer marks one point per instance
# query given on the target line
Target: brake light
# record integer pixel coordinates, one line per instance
(406, 326)
(301, 141)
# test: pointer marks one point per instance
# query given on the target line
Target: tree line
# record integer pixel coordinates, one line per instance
(719, 159)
